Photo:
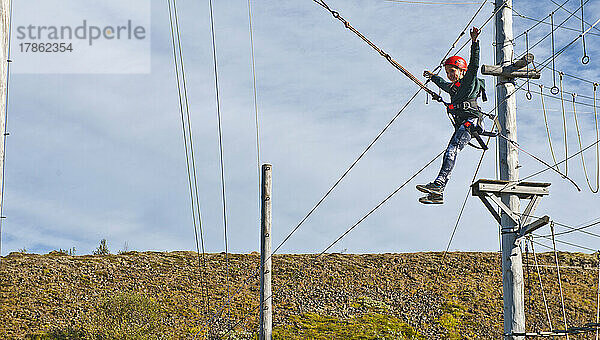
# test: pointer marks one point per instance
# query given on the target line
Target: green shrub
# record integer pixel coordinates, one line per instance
(125, 316)
(102, 248)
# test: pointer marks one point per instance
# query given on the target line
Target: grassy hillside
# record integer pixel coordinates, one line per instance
(384, 296)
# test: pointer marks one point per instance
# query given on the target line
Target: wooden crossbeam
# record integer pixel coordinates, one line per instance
(537, 224)
(518, 69)
(530, 209)
(505, 209)
(522, 189)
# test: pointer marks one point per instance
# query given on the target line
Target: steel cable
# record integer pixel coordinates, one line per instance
(573, 13)
(220, 130)
(188, 143)
(562, 299)
(537, 267)
(356, 161)
(541, 21)
(363, 218)
(442, 261)
(253, 63)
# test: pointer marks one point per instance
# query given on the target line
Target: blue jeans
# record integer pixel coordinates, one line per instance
(460, 138)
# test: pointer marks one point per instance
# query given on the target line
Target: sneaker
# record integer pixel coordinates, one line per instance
(431, 188)
(432, 199)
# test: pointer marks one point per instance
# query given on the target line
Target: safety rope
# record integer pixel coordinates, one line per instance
(580, 228)
(256, 121)
(544, 65)
(537, 267)
(382, 203)
(553, 89)
(322, 199)
(463, 32)
(528, 94)
(527, 278)
(562, 299)
(219, 126)
(320, 255)
(549, 34)
(347, 170)
(572, 13)
(581, 147)
(462, 209)
(337, 182)
(393, 62)
(564, 115)
(562, 50)
(253, 62)
(580, 103)
(541, 21)
(547, 126)
(188, 144)
(585, 59)
(550, 167)
(567, 243)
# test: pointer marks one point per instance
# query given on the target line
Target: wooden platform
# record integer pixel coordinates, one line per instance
(490, 192)
(522, 189)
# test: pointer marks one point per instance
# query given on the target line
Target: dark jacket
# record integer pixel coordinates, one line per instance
(466, 89)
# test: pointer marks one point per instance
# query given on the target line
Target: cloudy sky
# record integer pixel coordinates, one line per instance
(94, 154)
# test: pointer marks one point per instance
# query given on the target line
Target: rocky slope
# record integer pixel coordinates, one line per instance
(338, 296)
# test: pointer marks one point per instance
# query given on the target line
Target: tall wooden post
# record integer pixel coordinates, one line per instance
(266, 311)
(4, 55)
(512, 265)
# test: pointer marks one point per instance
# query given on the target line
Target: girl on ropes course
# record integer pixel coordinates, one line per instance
(464, 89)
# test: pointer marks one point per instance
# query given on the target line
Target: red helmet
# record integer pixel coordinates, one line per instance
(457, 61)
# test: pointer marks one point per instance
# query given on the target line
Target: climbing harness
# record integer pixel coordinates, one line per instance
(585, 59)
(476, 130)
(553, 89)
(581, 146)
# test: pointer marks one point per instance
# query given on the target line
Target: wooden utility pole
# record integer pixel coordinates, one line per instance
(266, 311)
(512, 265)
(507, 192)
(4, 55)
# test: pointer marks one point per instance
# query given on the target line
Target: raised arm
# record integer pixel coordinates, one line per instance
(437, 80)
(474, 58)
